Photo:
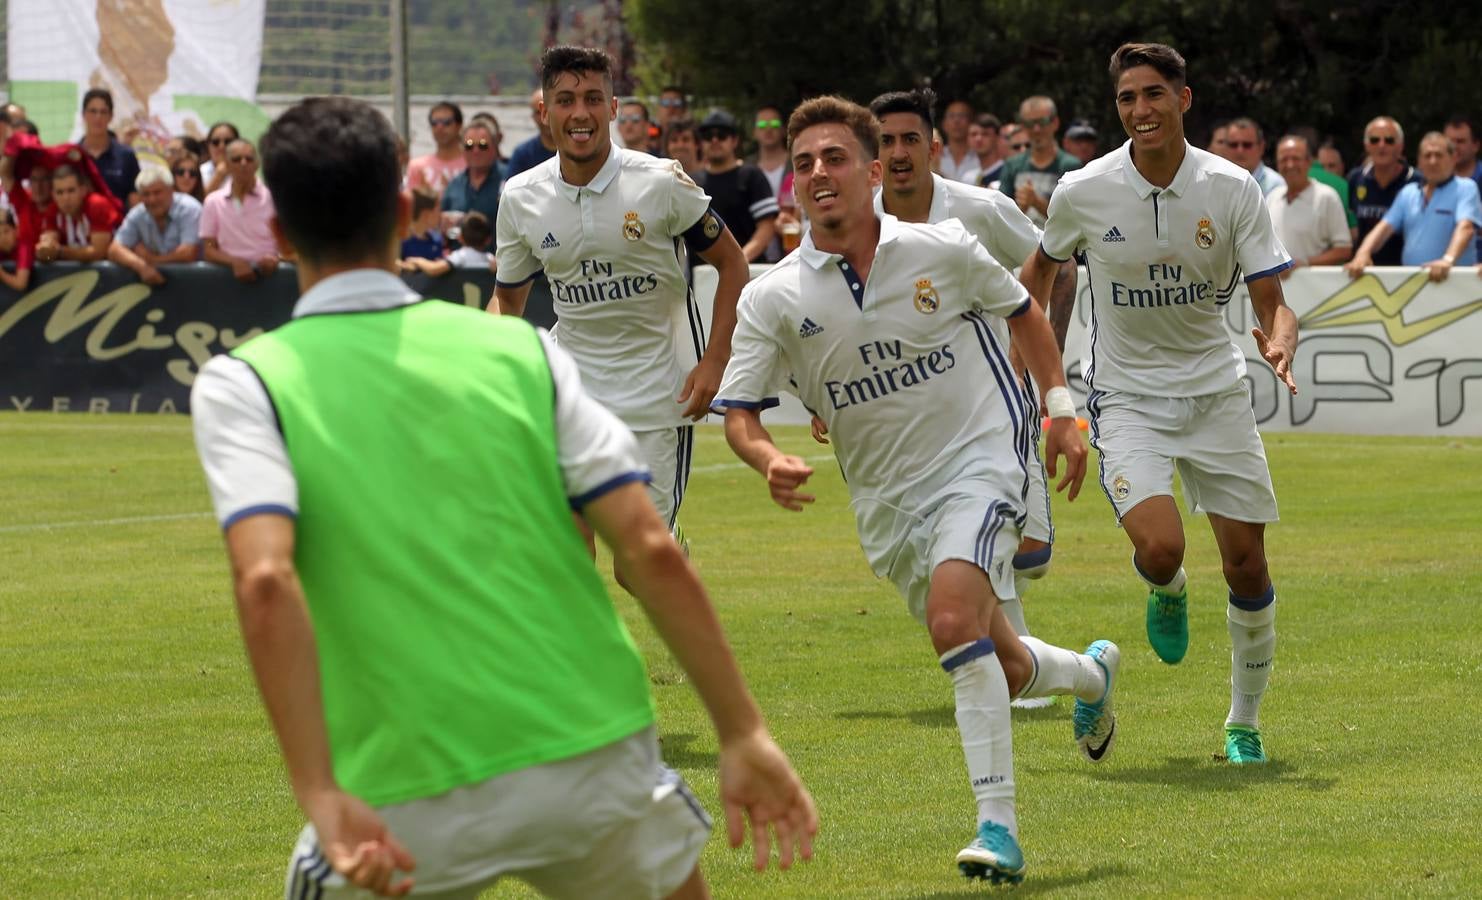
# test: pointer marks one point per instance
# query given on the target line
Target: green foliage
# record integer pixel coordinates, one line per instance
(1330, 65)
(136, 761)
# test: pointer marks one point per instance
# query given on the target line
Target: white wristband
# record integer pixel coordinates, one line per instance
(1059, 403)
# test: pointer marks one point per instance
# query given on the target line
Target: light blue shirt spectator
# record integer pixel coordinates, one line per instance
(1427, 227)
(182, 226)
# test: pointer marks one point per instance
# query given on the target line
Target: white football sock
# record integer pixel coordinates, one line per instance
(1175, 585)
(982, 698)
(1061, 671)
(1252, 652)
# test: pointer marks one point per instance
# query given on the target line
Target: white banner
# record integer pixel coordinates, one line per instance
(1388, 353)
(173, 66)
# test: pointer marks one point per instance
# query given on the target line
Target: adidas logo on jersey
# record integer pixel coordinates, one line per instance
(809, 328)
(550, 242)
(1113, 237)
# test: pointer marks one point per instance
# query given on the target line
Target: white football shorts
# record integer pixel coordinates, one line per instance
(667, 451)
(1212, 441)
(979, 529)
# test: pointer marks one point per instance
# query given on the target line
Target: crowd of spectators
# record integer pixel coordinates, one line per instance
(93, 200)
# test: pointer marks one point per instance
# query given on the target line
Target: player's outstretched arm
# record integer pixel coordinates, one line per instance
(1276, 339)
(1035, 340)
(753, 443)
(285, 661)
(757, 782)
(732, 272)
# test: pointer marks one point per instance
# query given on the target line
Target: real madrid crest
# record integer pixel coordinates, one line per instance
(1121, 487)
(632, 226)
(1204, 235)
(712, 226)
(926, 298)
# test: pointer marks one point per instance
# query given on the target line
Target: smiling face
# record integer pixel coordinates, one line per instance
(1152, 109)
(906, 153)
(1292, 161)
(578, 108)
(833, 178)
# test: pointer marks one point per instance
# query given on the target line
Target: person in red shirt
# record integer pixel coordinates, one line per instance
(19, 226)
(79, 222)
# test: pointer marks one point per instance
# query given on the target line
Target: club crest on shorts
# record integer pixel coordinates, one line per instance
(1204, 235)
(632, 226)
(1121, 487)
(926, 298)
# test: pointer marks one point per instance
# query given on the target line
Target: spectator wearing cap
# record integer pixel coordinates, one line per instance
(1080, 141)
(1246, 143)
(982, 137)
(1436, 218)
(633, 126)
(434, 170)
(164, 227)
(78, 224)
(235, 229)
(739, 192)
(959, 162)
(1030, 177)
(1307, 215)
(535, 150)
(116, 163)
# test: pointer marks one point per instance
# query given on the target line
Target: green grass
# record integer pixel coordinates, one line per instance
(135, 759)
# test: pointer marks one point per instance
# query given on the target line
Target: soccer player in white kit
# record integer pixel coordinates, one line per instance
(889, 330)
(1167, 230)
(607, 226)
(912, 193)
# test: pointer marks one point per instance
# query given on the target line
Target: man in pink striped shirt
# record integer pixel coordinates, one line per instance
(234, 223)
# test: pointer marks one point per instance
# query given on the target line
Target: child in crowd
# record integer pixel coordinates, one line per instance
(477, 233)
(17, 247)
(425, 242)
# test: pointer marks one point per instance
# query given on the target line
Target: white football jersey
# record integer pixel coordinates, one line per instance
(990, 216)
(907, 369)
(1163, 262)
(611, 250)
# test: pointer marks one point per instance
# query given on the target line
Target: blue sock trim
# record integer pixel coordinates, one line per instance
(1033, 558)
(979, 648)
(1251, 604)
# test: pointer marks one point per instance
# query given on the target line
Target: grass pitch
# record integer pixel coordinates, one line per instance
(135, 759)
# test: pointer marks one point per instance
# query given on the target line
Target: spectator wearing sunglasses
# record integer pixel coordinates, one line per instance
(214, 171)
(674, 105)
(1246, 144)
(477, 186)
(634, 127)
(234, 222)
(443, 164)
(1030, 177)
(187, 174)
(739, 192)
(536, 150)
(1376, 183)
(771, 159)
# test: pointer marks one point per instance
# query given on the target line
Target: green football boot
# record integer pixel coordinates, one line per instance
(1168, 625)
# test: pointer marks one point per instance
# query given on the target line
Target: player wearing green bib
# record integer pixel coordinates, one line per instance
(449, 682)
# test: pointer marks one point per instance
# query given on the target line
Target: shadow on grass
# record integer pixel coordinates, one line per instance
(1035, 884)
(941, 717)
(677, 749)
(946, 716)
(1213, 773)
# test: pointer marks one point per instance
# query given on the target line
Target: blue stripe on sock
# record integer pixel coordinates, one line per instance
(1251, 604)
(979, 648)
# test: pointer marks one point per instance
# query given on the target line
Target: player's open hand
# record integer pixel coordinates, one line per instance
(1278, 354)
(700, 387)
(757, 783)
(357, 843)
(1063, 438)
(820, 430)
(785, 474)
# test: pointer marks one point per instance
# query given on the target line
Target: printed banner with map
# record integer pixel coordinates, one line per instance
(173, 66)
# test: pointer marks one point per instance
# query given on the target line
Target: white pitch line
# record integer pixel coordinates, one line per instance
(90, 523)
